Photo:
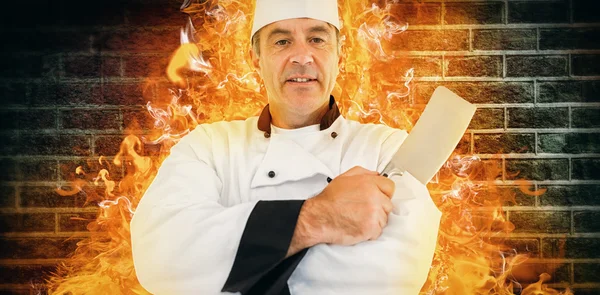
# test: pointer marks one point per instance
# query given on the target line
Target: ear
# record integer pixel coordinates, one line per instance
(255, 60)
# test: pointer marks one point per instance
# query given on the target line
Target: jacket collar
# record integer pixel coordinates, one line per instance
(264, 120)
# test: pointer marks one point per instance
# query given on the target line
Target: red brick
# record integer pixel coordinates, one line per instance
(140, 118)
(586, 272)
(91, 167)
(108, 145)
(76, 222)
(154, 14)
(90, 119)
(57, 94)
(529, 273)
(7, 196)
(417, 13)
(25, 274)
(536, 66)
(569, 91)
(485, 12)
(137, 40)
(504, 143)
(504, 39)
(538, 11)
(487, 119)
(37, 248)
(92, 66)
(570, 195)
(37, 119)
(27, 222)
(447, 40)
(480, 92)
(56, 145)
(126, 94)
(571, 38)
(38, 170)
(47, 197)
(538, 117)
(585, 117)
(146, 66)
(586, 221)
(474, 66)
(521, 246)
(19, 290)
(521, 197)
(541, 222)
(426, 66)
(586, 169)
(82, 66)
(571, 143)
(485, 170)
(571, 248)
(464, 145)
(586, 291)
(111, 66)
(537, 169)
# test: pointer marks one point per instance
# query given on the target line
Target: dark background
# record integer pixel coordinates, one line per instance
(74, 74)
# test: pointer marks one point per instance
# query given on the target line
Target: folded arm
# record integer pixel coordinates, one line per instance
(185, 241)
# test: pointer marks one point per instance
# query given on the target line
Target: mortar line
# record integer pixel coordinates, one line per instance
(56, 223)
(470, 39)
(505, 14)
(571, 11)
(537, 39)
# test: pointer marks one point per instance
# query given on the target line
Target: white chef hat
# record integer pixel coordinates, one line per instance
(270, 11)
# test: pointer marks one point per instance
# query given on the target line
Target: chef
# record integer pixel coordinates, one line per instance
(291, 201)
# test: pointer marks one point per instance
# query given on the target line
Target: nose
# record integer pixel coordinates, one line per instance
(301, 55)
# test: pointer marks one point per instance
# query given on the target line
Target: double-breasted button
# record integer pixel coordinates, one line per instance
(329, 179)
(267, 134)
(334, 134)
(271, 174)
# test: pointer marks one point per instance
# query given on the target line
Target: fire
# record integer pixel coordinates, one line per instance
(215, 81)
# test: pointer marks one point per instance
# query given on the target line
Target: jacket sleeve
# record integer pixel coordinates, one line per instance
(185, 242)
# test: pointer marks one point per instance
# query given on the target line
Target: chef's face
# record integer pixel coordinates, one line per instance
(298, 61)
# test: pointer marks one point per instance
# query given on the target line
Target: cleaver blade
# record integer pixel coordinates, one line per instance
(434, 137)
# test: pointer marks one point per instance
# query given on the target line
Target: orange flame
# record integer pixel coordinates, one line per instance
(216, 80)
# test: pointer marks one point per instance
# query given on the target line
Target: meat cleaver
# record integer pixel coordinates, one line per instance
(434, 137)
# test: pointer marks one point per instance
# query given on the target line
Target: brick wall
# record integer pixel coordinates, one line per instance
(75, 74)
(532, 68)
(73, 77)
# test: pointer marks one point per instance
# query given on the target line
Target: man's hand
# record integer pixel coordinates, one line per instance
(353, 208)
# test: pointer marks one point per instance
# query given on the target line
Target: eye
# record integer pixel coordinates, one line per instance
(282, 42)
(317, 40)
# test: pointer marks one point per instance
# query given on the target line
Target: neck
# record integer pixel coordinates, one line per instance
(288, 119)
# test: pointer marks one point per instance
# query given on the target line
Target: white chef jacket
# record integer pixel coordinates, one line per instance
(188, 226)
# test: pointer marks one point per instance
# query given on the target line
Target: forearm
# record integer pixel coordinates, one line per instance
(307, 231)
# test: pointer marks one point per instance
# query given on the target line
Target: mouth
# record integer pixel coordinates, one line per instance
(301, 80)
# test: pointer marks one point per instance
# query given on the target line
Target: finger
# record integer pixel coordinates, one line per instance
(387, 205)
(385, 185)
(383, 220)
(358, 170)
